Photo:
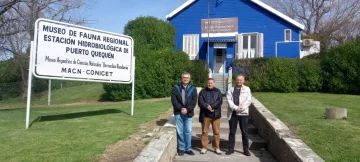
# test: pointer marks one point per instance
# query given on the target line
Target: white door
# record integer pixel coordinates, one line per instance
(219, 60)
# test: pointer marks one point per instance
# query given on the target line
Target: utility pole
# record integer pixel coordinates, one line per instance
(208, 29)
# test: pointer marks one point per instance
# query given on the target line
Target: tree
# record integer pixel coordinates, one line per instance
(6, 5)
(151, 32)
(158, 67)
(17, 20)
(330, 21)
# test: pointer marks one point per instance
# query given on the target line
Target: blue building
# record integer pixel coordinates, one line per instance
(237, 29)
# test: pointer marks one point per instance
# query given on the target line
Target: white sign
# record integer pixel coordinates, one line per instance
(70, 52)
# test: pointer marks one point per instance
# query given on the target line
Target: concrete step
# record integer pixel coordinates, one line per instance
(224, 128)
(224, 106)
(223, 120)
(223, 112)
(238, 156)
(219, 76)
(255, 141)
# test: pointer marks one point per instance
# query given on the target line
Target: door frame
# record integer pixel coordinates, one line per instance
(223, 51)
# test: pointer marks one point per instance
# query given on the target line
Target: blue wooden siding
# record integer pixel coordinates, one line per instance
(229, 51)
(284, 48)
(251, 18)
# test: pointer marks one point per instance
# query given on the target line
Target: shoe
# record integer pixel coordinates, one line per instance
(246, 152)
(230, 151)
(203, 151)
(181, 152)
(217, 151)
(190, 152)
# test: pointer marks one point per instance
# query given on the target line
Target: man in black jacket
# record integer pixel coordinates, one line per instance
(183, 99)
(210, 101)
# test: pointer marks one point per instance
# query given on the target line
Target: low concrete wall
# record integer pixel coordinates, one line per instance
(282, 143)
(162, 148)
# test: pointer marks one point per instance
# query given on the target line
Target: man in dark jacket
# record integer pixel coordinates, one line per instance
(210, 101)
(183, 99)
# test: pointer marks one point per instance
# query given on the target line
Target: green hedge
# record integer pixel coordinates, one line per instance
(199, 73)
(155, 75)
(158, 66)
(341, 68)
(280, 74)
(310, 75)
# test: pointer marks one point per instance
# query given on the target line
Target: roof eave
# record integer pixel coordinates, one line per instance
(258, 2)
(281, 15)
(180, 8)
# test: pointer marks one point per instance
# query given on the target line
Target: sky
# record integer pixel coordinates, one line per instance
(112, 15)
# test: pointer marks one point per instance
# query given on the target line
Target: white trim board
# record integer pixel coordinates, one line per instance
(258, 2)
(219, 34)
(278, 13)
(180, 8)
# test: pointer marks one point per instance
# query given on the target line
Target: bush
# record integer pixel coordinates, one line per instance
(158, 67)
(341, 68)
(269, 74)
(199, 73)
(255, 81)
(9, 79)
(315, 56)
(151, 32)
(280, 75)
(155, 75)
(310, 75)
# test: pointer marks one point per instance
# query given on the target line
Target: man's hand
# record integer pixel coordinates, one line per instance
(210, 108)
(238, 110)
(183, 111)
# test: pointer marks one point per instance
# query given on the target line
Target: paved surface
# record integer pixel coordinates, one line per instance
(257, 145)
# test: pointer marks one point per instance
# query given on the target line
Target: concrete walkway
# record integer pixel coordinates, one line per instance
(257, 145)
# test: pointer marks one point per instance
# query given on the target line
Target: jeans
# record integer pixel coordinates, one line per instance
(183, 130)
(243, 123)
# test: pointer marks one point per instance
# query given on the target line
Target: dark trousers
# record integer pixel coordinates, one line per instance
(243, 123)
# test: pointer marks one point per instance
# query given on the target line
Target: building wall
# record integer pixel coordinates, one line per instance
(306, 51)
(229, 51)
(284, 50)
(251, 18)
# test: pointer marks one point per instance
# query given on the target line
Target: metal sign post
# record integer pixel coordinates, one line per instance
(28, 97)
(49, 92)
(133, 87)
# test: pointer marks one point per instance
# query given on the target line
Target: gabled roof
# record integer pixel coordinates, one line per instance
(258, 2)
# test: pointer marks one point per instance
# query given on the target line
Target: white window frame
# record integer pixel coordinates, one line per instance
(259, 44)
(290, 37)
(193, 51)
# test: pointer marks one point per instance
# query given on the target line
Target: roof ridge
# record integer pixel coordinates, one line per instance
(258, 2)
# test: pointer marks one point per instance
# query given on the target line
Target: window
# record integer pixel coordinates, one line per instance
(287, 35)
(250, 45)
(191, 45)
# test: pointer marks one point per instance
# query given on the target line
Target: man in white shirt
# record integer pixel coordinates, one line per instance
(239, 99)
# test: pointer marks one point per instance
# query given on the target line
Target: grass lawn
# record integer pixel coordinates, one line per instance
(72, 133)
(60, 96)
(333, 140)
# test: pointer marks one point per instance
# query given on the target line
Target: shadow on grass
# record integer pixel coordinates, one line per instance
(321, 117)
(76, 115)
